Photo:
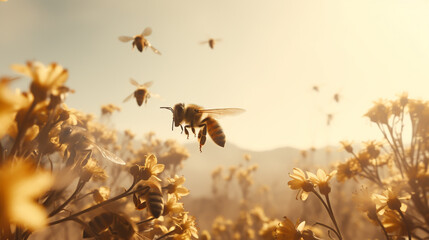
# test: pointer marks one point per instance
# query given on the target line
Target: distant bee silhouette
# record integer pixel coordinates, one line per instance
(211, 42)
(337, 97)
(329, 118)
(140, 41)
(141, 93)
(316, 88)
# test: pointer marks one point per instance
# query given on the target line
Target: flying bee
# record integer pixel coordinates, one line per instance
(211, 42)
(194, 116)
(110, 225)
(140, 41)
(141, 93)
(79, 141)
(337, 97)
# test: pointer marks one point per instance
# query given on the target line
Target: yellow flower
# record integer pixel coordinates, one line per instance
(346, 170)
(205, 235)
(393, 223)
(185, 227)
(109, 109)
(10, 103)
(101, 194)
(172, 206)
(46, 79)
(175, 186)
(322, 180)
(268, 229)
(94, 171)
(347, 146)
(20, 186)
(151, 168)
(390, 199)
(301, 183)
(289, 231)
(379, 113)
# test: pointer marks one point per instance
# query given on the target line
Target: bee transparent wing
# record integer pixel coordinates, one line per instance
(109, 155)
(204, 42)
(129, 97)
(217, 112)
(125, 38)
(147, 31)
(134, 82)
(155, 50)
(147, 84)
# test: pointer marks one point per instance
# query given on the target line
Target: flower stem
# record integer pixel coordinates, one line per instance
(79, 187)
(382, 227)
(126, 193)
(331, 215)
(406, 224)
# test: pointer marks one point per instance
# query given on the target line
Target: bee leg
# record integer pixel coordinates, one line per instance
(87, 157)
(193, 130)
(181, 127)
(72, 155)
(202, 136)
(187, 133)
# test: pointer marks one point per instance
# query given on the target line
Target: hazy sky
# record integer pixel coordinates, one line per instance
(270, 56)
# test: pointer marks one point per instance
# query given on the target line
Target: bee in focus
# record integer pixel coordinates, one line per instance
(141, 93)
(79, 142)
(211, 42)
(193, 116)
(153, 200)
(109, 225)
(140, 41)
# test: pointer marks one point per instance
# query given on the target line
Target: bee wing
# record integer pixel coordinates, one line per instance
(217, 112)
(154, 50)
(134, 82)
(129, 97)
(109, 155)
(125, 38)
(204, 42)
(147, 84)
(147, 31)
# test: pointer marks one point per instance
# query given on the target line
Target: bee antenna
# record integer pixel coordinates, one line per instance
(169, 108)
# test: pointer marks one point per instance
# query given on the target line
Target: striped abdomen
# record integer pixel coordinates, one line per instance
(215, 131)
(155, 203)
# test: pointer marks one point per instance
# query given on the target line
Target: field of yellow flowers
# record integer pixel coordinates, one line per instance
(52, 184)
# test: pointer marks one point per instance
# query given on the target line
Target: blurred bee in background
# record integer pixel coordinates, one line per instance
(337, 97)
(141, 93)
(194, 116)
(315, 88)
(109, 225)
(140, 41)
(211, 42)
(79, 141)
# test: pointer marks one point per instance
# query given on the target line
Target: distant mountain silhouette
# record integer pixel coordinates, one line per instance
(274, 165)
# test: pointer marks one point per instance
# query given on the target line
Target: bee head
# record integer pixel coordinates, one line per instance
(64, 134)
(178, 114)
